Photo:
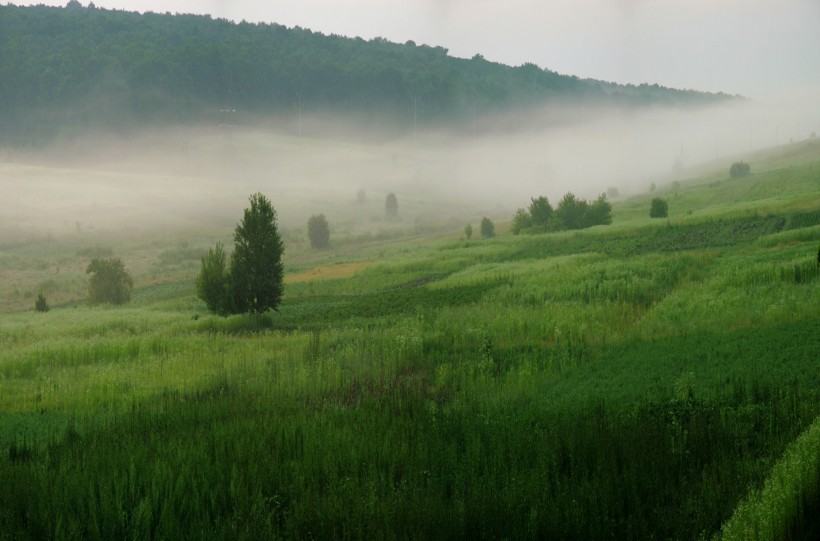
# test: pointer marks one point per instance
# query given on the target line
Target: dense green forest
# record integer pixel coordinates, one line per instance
(64, 70)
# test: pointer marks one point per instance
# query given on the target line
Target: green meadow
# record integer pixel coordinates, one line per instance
(651, 379)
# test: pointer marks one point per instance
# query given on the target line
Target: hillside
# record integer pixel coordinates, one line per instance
(68, 70)
(633, 381)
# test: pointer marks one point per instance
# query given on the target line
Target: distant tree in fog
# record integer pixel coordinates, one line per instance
(659, 208)
(540, 210)
(110, 283)
(391, 205)
(361, 197)
(521, 221)
(487, 228)
(318, 231)
(468, 231)
(41, 305)
(739, 169)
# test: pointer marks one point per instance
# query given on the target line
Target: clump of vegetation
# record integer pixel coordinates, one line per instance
(739, 169)
(487, 228)
(571, 213)
(361, 197)
(41, 305)
(468, 231)
(110, 282)
(659, 208)
(254, 282)
(318, 231)
(391, 206)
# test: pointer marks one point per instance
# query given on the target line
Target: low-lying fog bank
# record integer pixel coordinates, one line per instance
(201, 177)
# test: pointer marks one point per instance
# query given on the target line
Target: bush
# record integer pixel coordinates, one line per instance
(213, 282)
(110, 283)
(318, 231)
(41, 305)
(487, 228)
(468, 231)
(391, 206)
(659, 208)
(739, 169)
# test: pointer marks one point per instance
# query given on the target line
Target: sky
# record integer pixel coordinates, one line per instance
(767, 50)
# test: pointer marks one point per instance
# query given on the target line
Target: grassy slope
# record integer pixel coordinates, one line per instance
(630, 381)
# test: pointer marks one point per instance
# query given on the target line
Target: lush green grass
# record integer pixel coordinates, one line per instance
(647, 380)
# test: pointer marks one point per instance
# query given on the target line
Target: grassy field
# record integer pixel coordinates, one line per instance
(651, 379)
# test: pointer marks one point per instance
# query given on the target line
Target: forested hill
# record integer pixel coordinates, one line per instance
(73, 68)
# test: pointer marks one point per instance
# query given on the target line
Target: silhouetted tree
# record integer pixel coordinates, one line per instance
(109, 281)
(468, 231)
(487, 228)
(257, 272)
(659, 208)
(318, 231)
(391, 206)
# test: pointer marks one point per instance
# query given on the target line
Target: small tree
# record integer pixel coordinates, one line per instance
(468, 231)
(739, 169)
(540, 210)
(659, 208)
(213, 285)
(572, 211)
(109, 281)
(41, 305)
(318, 231)
(391, 206)
(521, 221)
(257, 272)
(599, 212)
(361, 197)
(487, 228)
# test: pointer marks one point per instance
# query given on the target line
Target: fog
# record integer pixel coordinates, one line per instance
(197, 180)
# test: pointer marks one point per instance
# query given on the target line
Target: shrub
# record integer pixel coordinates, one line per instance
(739, 169)
(318, 231)
(41, 305)
(487, 228)
(391, 206)
(468, 231)
(109, 283)
(659, 208)
(213, 282)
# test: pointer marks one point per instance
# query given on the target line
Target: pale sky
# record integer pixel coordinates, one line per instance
(768, 50)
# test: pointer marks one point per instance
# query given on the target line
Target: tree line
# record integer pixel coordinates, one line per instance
(570, 213)
(74, 68)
